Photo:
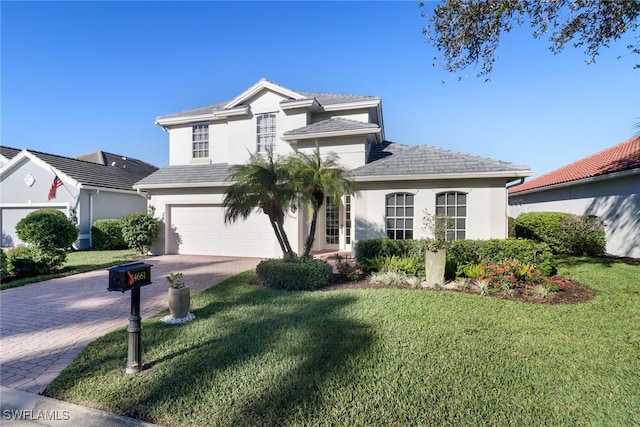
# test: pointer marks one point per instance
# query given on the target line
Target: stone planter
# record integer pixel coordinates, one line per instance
(179, 302)
(435, 263)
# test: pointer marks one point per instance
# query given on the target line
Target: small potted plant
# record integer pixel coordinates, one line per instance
(179, 296)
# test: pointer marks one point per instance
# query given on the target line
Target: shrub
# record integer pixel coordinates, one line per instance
(304, 274)
(542, 227)
(462, 253)
(48, 229)
(347, 270)
(583, 235)
(564, 233)
(25, 261)
(3, 265)
(384, 246)
(106, 234)
(140, 230)
(511, 233)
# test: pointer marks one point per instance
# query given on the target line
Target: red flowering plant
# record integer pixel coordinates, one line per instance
(347, 270)
(511, 273)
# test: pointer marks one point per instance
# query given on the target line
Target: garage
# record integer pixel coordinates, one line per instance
(200, 230)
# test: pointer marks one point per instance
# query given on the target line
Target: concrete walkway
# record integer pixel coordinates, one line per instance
(44, 326)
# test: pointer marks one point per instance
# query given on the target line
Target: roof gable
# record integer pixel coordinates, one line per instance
(85, 173)
(263, 84)
(619, 158)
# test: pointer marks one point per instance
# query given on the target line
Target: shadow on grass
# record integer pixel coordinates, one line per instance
(278, 348)
(606, 261)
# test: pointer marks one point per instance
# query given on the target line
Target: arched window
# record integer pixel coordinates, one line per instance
(453, 204)
(399, 214)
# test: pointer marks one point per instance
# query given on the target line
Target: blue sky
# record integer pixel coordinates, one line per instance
(83, 76)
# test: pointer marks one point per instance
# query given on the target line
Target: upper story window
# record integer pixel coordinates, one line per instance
(200, 141)
(265, 132)
(399, 213)
(453, 204)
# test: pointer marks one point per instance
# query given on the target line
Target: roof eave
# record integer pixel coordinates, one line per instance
(439, 176)
(333, 134)
(375, 102)
(598, 178)
(209, 117)
(181, 185)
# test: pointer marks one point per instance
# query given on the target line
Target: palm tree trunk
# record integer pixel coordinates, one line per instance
(278, 236)
(289, 252)
(312, 233)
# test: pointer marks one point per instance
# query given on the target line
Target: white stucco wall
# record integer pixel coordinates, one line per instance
(351, 150)
(164, 200)
(615, 201)
(486, 206)
(232, 140)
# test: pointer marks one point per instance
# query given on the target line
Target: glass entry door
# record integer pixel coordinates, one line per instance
(331, 225)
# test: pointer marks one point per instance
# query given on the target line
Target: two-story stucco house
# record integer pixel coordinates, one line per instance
(396, 182)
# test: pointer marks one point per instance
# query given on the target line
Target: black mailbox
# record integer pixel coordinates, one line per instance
(125, 277)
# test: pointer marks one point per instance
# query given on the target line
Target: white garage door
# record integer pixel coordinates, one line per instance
(200, 230)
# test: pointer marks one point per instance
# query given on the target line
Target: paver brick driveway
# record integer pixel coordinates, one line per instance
(44, 326)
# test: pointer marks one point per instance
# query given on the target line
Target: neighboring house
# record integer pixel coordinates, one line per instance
(396, 182)
(100, 186)
(606, 184)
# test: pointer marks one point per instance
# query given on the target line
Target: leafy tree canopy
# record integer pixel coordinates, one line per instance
(468, 31)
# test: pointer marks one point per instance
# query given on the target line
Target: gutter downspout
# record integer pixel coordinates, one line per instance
(521, 181)
(91, 216)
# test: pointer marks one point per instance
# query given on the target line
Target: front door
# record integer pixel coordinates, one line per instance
(331, 225)
(336, 225)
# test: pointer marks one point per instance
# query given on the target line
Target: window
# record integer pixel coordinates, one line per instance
(265, 132)
(454, 205)
(200, 141)
(399, 213)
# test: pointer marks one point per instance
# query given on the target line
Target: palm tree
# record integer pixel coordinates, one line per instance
(313, 179)
(262, 183)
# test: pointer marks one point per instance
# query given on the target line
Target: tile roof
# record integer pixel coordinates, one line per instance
(336, 124)
(335, 98)
(322, 98)
(120, 176)
(187, 174)
(9, 152)
(389, 158)
(621, 157)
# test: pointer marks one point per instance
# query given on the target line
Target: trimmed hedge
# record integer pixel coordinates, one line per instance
(106, 234)
(565, 233)
(4, 264)
(461, 253)
(26, 261)
(47, 228)
(301, 275)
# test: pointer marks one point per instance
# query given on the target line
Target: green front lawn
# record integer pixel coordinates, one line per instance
(256, 356)
(78, 262)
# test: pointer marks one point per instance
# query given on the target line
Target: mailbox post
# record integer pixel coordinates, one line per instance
(131, 277)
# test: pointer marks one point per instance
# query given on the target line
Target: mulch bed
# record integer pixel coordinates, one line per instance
(572, 293)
